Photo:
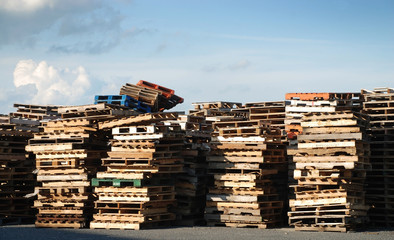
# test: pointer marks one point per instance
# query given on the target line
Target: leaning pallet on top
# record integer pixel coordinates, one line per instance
(158, 98)
(68, 154)
(137, 188)
(192, 183)
(16, 175)
(379, 105)
(247, 159)
(331, 163)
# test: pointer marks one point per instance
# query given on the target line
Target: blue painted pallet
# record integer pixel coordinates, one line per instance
(139, 106)
(116, 102)
(123, 100)
(143, 107)
(112, 98)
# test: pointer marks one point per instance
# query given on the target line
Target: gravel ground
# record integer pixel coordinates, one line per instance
(200, 233)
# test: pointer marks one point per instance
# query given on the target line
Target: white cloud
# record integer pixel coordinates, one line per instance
(83, 26)
(24, 6)
(53, 85)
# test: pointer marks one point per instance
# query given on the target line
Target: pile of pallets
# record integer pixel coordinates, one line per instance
(191, 184)
(68, 153)
(302, 103)
(29, 117)
(99, 111)
(216, 109)
(331, 163)
(137, 188)
(246, 161)
(16, 175)
(274, 112)
(379, 105)
(157, 97)
(299, 104)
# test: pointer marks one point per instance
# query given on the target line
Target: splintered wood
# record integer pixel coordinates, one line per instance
(137, 189)
(247, 162)
(330, 170)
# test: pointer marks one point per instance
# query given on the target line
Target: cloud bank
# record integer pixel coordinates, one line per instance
(83, 26)
(51, 85)
(25, 6)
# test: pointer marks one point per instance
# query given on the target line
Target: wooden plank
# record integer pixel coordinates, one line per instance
(327, 144)
(235, 159)
(251, 205)
(325, 151)
(114, 225)
(329, 159)
(325, 165)
(309, 109)
(234, 218)
(238, 139)
(329, 123)
(332, 136)
(51, 147)
(327, 130)
(249, 166)
(62, 177)
(121, 175)
(231, 198)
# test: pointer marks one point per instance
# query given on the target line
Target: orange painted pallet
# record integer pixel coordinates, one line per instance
(321, 96)
(166, 92)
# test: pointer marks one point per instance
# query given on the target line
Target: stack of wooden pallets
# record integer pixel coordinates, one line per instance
(246, 161)
(191, 184)
(158, 98)
(331, 163)
(216, 109)
(299, 104)
(99, 111)
(379, 105)
(68, 153)
(302, 103)
(137, 189)
(29, 117)
(274, 112)
(16, 175)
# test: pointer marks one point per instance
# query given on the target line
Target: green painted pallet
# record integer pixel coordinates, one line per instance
(98, 182)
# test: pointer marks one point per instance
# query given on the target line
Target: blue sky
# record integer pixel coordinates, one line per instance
(65, 52)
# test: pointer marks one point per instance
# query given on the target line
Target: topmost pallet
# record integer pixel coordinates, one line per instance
(158, 98)
(378, 94)
(219, 111)
(322, 96)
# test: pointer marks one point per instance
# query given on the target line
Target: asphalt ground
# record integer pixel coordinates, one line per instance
(199, 233)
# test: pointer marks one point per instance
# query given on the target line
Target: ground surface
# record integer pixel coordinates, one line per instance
(200, 233)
